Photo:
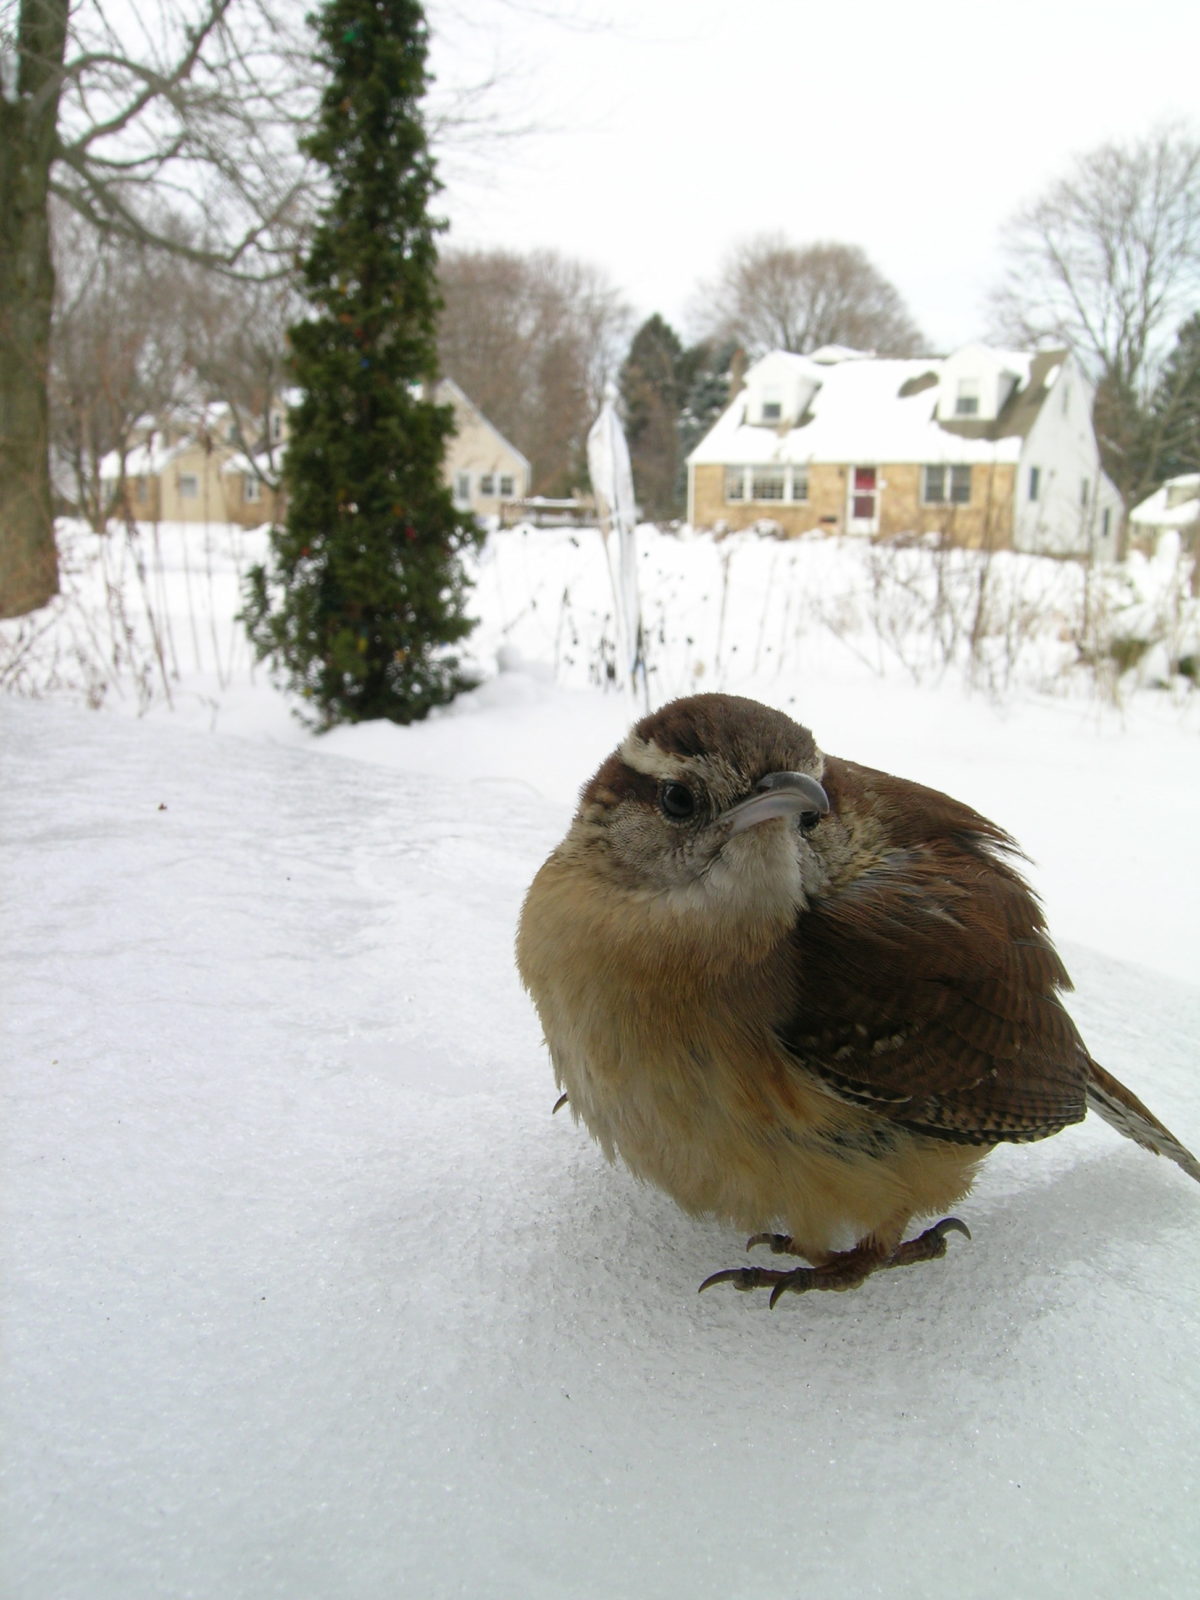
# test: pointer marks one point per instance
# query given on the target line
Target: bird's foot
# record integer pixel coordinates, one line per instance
(844, 1270)
(927, 1246)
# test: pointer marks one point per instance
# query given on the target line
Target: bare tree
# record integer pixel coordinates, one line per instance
(532, 339)
(236, 348)
(773, 295)
(1108, 259)
(196, 103)
(116, 352)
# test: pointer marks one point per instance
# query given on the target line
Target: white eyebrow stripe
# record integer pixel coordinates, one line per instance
(645, 757)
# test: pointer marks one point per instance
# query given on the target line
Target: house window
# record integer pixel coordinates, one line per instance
(189, 486)
(943, 486)
(508, 486)
(251, 488)
(767, 483)
(772, 411)
(487, 483)
(1083, 493)
(1035, 479)
(277, 424)
(1105, 522)
(966, 402)
(462, 489)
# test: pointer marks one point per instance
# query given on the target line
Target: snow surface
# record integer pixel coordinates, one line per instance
(308, 1294)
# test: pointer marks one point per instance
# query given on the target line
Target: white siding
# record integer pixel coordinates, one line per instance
(1068, 515)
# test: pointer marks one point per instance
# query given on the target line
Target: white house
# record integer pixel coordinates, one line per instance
(987, 447)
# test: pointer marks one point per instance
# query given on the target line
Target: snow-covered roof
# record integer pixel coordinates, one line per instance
(873, 409)
(257, 464)
(447, 386)
(1156, 511)
(142, 460)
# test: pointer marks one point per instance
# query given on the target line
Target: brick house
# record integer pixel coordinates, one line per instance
(986, 447)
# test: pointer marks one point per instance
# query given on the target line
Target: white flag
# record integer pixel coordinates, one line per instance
(612, 484)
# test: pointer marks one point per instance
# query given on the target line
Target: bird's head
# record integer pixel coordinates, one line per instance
(709, 808)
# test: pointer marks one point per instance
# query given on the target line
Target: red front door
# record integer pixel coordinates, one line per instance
(862, 514)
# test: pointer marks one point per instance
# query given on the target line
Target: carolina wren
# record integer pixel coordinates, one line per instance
(798, 993)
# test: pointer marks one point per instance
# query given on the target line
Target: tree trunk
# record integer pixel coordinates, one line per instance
(28, 121)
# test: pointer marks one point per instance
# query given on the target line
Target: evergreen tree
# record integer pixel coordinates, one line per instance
(1175, 406)
(706, 376)
(365, 588)
(651, 397)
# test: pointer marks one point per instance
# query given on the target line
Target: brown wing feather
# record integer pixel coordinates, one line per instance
(926, 985)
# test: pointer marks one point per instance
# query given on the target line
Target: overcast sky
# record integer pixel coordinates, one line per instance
(664, 131)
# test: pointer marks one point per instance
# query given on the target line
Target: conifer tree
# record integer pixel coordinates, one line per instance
(365, 588)
(1175, 405)
(651, 398)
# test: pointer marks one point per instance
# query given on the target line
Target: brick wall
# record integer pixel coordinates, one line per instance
(985, 520)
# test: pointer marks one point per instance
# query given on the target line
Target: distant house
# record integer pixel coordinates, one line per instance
(483, 469)
(201, 470)
(986, 447)
(197, 470)
(1173, 508)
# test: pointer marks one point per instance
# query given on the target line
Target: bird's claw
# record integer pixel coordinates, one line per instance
(780, 1243)
(950, 1225)
(930, 1245)
(843, 1271)
(741, 1278)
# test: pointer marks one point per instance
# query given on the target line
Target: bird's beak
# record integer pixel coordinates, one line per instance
(779, 794)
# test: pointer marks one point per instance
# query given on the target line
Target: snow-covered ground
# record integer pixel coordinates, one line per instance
(308, 1295)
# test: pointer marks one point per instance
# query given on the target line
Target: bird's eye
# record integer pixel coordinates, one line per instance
(809, 820)
(676, 801)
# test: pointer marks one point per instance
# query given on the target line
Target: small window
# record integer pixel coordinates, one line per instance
(966, 402)
(772, 411)
(1035, 479)
(189, 486)
(1083, 493)
(767, 483)
(251, 487)
(799, 483)
(508, 485)
(277, 424)
(1106, 522)
(735, 483)
(462, 489)
(487, 483)
(946, 486)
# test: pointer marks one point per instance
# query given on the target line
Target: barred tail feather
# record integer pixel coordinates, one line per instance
(1109, 1098)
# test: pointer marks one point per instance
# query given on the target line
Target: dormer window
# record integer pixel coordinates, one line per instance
(966, 401)
(772, 410)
